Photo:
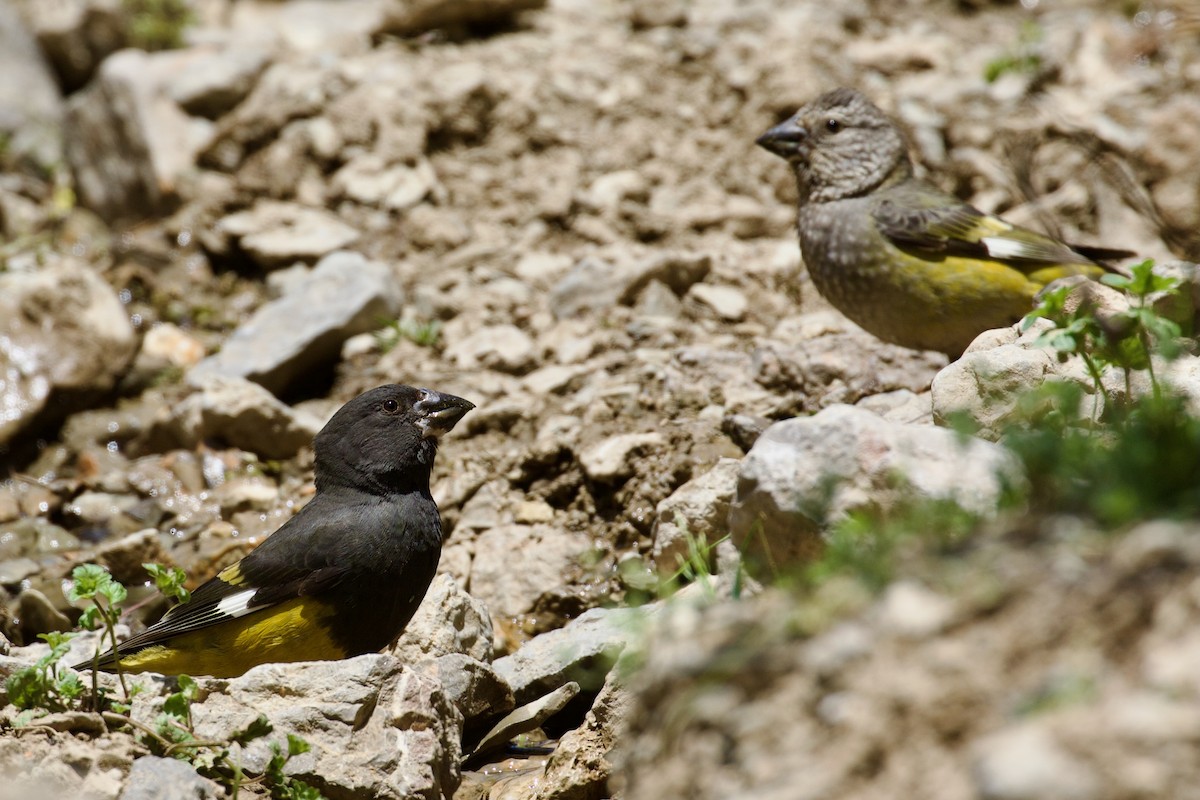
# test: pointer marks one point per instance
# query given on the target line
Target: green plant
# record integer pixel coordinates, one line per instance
(169, 581)
(1022, 57)
(1125, 339)
(1141, 464)
(157, 24)
(93, 582)
(1142, 460)
(869, 545)
(425, 334)
(644, 584)
(41, 687)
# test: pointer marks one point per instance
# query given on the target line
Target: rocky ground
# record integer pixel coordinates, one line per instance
(557, 211)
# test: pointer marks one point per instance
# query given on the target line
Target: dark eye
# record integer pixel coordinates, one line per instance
(832, 125)
(391, 406)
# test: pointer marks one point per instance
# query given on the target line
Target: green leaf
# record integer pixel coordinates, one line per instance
(296, 745)
(169, 581)
(86, 581)
(69, 686)
(91, 618)
(113, 592)
(188, 687)
(257, 729)
(177, 706)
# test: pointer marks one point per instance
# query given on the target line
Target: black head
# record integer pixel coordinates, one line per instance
(840, 145)
(385, 439)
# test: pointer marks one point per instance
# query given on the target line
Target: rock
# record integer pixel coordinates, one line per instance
(1000, 361)
(235, 412)
(744, 429)
(910, 609)
(320, 27)
(97, 508)
(378, 729)
(76, 36)
(611, 459)
(128, 144)
(1010, 364)
(167, 345)
(155, 778)
(524, 571)
(610, 190)
(593, 284)
(1024, 762)
(698, 508)
(31, 107)
(449, 621)
(304, 330)
(528, 717)
(579, 768)
(411, 17)
(123, 557)
(821, 358)
(900, 405)
(369, 180)
(65, 341)
(803, 474)
(727, 302)
(276, 234)
(505, 348)
(219, 79)
(36, 614)
(584, 650)
(475, 688)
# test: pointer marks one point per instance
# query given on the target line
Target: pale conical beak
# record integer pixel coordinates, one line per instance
(440, 412)
(787, 140)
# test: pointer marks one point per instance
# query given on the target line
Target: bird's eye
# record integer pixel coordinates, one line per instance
(391, 406)
(832, 125)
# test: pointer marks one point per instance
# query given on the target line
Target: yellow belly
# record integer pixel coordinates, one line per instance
(290, 631)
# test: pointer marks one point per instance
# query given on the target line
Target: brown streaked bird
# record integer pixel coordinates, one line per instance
(907, 262)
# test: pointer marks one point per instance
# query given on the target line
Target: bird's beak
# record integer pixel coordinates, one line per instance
(439, 412)
(786, 140)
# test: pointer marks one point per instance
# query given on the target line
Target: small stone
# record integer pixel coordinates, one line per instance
(236, 412)
(303, 331)
(911, 610)
(611, 459)
(277, 234)
(583, 650)
(728, 303)
(217, 80)
(449, 621)
(1024, 762)
(155, 778)
(474, 687)
(66, 338)
(698, 509)
(608, 191)
(417, 16)
(168, 344)
(531, 512)
(528, 717)
(505, 348)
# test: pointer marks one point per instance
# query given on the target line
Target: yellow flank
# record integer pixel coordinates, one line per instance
(290, 631)
(941, 304)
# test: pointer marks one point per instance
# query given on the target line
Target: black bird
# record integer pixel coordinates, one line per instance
(342, 577)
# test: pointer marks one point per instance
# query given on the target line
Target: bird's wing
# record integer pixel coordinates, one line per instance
(301, 563)
(946, 226)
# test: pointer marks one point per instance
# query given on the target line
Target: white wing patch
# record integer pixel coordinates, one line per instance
(1005, 248)
(236, 605)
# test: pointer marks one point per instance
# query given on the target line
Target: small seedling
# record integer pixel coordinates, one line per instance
(425, 334)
